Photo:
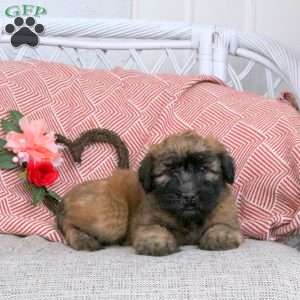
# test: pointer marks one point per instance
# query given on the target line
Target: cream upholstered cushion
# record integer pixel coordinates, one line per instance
(34, 269)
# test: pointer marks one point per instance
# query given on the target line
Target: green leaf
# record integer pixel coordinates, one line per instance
(9, 125)
(2, 144)
(12, 123)
(38, 194)
(6, 161)
(54, 195)
(15, 116)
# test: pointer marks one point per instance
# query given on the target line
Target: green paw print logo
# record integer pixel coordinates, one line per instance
(25, 30)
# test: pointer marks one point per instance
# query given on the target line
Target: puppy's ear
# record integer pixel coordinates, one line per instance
(228, 167)
(145, 172)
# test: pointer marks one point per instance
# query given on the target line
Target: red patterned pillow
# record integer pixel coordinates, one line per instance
(72, 101)
(262, 135)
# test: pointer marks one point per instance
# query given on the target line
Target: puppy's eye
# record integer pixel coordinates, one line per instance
(202, 169)
(162, 179)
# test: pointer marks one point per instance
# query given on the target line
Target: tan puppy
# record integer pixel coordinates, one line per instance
(189, 200)
(98, 213)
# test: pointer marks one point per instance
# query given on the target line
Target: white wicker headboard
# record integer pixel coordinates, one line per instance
(243, 60)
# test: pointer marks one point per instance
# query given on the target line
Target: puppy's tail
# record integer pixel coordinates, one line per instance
(96, 136)
(76, 149)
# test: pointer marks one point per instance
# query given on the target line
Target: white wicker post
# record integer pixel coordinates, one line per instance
(220, 56)
(202, 40)
(224, 44)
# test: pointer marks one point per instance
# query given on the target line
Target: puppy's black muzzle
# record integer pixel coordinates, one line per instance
(189, 201)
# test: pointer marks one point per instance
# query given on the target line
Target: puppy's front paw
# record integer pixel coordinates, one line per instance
(155, 241)
(79, 240)
(220, 237)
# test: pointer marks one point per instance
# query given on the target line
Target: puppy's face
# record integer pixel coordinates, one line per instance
(186, 173)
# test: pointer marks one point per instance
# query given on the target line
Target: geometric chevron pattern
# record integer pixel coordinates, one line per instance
(262, 135)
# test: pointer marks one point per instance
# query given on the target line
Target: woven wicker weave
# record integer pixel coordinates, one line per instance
(159, 47)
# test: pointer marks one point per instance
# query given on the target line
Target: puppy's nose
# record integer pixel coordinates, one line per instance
(189, 199)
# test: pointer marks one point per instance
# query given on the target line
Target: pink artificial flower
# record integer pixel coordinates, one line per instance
(34, 143)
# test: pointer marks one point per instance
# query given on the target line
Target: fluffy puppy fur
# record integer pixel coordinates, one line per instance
(189, 200)
(98, 213)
